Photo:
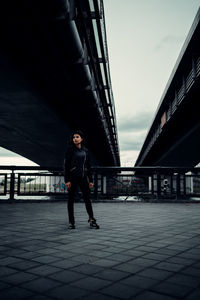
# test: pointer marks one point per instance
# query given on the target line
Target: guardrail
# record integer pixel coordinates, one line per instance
(109, 183)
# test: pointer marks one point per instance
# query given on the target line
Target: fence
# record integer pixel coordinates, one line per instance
(109, 183)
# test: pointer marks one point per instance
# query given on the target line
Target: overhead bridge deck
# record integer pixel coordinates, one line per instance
(174, 136)
(55, 78)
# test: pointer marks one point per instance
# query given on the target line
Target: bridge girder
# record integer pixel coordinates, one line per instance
(52, 81)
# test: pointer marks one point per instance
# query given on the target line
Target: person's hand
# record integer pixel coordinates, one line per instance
(68, 185)
(91, 185)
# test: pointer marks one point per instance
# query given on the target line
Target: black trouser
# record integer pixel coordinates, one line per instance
(84, 186)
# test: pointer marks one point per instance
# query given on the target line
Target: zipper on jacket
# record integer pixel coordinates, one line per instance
(84, 164)
(72, 169)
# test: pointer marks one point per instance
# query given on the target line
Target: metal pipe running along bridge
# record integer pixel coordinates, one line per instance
(174, 136)
(55, 78)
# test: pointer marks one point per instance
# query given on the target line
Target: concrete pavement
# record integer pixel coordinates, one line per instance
(142, 251)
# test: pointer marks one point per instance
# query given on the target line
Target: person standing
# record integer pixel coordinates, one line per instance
(77, 172)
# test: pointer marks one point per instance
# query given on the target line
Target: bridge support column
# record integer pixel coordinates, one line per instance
(12, 186)
(178, 186)
(171, 184)
(184, 185)
(158, 185)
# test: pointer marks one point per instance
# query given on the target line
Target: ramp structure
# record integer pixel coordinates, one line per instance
(174, 136)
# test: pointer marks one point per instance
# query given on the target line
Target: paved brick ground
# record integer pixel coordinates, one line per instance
(142, 251)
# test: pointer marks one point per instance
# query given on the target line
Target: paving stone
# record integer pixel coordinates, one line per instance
(190, 255)
(28, 255)
(94, 247)
(194, 295)
(18, 278)
(146, 248)
(180, 260)
(44, 270)
(114, 249)
(156, 256)
(47, 251)
(9, 261)
(4, 249)
(196, 265)
(159, 244)
(39, 297)
(40, 285)
(193, 251)
(185, 280)
(112, 275)
(131, 268)
(101, 254)
(87, 269)
(14, 252)
(139, 281)
(178, 247)
(105, 262)
(45, 259)
(120, 257)
(24, 265)
(15, 293)
(66, 276)
(4, 285)
(142, 251)
(121, 291)
(4, 271)
(84, 258)
(65, 263)
(191, 271)
(133, 253)
(166, 251)
(98, 296)
(155, 273)
(67, 292)
(33, 247)
(91, 283)
(169, 266)
(174, 290)
(62, 255)
(141, 261)
(153, 296)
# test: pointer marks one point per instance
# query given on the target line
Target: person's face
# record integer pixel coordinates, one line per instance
(77, 139)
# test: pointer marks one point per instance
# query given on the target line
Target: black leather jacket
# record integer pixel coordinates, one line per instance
(77, 164)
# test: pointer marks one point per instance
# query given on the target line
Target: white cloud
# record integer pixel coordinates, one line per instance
(15, 161)
(128, 158)
(6, 153)
(169, 40)
(10, 158)
(135, 122)
(132, 130)
(132, 140)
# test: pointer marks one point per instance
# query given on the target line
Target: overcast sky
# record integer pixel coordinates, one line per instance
(144, 40)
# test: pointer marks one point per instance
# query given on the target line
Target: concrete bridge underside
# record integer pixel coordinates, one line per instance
(46, 90)
(179, 142)
(174, 136)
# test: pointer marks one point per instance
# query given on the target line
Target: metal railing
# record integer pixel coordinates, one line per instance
(143, 183)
